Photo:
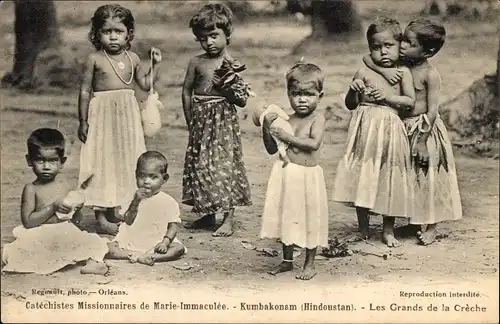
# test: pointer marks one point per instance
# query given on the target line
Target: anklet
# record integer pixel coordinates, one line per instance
(285, 260)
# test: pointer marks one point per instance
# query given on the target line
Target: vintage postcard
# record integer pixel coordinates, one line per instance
(284, 161)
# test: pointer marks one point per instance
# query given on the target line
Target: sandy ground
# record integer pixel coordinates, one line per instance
(467, 254)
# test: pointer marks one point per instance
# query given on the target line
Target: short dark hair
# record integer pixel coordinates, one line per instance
(105, 12)
(308, 72)
(46, 138)
(153, 157)
(382, 24)
(430, 34)
(211, 16)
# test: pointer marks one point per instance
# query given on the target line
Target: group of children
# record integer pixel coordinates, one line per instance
(398, 160)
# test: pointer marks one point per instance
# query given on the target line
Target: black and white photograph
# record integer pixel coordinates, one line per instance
(250, 161)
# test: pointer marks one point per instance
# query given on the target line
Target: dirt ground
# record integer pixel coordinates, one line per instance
(468, 249)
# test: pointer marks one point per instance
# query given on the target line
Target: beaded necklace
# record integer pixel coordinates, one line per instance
(114, 69)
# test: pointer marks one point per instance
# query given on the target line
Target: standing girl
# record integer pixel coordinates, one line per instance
(214, 173)
(374, 174)
(110, 121)
(296, 207)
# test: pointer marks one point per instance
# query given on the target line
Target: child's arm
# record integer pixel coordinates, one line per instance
(433, 90)
(31, 218)
(133, 208)
(433, 84)
(311, 143)
(84, 97)
(352, 96)
(187, 90)
(172, 230)
(403, 102)
(392, 75)
(143, 71)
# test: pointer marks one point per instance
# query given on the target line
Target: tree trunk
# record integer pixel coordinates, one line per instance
(330, 20)
(36, 30)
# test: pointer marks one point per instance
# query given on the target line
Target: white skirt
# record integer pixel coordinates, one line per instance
(50, 247)
(296, 207)
(115, 141)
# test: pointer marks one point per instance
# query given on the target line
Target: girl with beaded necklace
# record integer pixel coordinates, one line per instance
(110, 121)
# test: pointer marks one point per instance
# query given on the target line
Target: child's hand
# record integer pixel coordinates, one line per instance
(279, 133)
(357, 85)
(378, 95)
(270, 118)
(421, 153)
(83, 129)
(60, 207)
(162, 247)
(392, 75)
(141, 194)
(155, 53)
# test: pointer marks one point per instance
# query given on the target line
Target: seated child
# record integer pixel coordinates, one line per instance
(282, 122)
(148, 234)
(46, 243)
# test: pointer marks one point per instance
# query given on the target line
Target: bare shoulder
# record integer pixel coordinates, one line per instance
(319, 119)
(196, 60)
(92, 58)
(362, 72)
(135, 58)
(433, 75)
(29, 188)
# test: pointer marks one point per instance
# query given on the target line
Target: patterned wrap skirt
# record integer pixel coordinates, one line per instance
(215, 177)
(437, 197)
(375, 172)
(296, 206)
(115, 141)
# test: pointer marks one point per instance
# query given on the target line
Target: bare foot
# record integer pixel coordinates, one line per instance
(224, 230)
(282, 267)
(94, 267)
(206, 221)
(307, 273)
(106, 227)
(427, 237)
(146, 259)
(408, 230)
(390, 240)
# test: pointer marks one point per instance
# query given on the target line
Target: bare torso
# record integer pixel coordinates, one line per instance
(302, 128)
(205, 67)
(46, 194)
(106, 79)
(375, 80)
(420, 74)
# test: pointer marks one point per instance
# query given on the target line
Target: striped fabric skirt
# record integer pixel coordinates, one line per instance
(375, 171)
(437, 197)
(115, 141)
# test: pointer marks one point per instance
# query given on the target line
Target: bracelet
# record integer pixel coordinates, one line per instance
(166, 237)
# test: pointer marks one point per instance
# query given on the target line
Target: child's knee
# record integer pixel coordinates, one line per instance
(177, 250)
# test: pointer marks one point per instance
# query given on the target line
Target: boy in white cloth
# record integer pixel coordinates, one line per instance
(281, 121)
(152, 218)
